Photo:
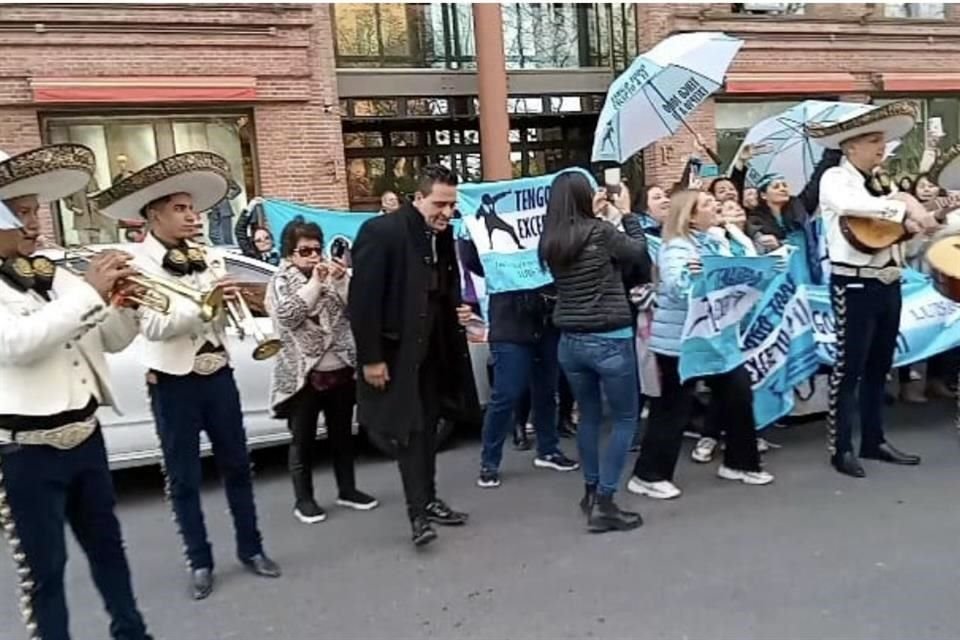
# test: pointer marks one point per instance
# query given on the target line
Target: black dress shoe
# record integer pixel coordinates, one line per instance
(847, 464)
(520, 440)
(201, 583)
(589, 499)
(439, 512)
(423, 533)
(886, 452)
(567, 429)
(261, 565)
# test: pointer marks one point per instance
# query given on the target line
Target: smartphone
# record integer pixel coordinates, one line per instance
(611, 182)
(695, 165)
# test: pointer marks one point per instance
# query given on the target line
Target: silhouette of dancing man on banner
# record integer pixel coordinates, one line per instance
(491, 221)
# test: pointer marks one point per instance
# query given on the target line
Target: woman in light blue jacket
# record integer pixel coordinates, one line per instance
(685, 240)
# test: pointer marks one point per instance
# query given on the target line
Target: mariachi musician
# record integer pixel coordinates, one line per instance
(864, 285)
(190, 380)
(54, 329)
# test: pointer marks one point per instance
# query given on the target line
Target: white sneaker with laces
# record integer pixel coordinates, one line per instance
(663, 490)
(756, 478)
(703, 451)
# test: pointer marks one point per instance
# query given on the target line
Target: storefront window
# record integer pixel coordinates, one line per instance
(547, 134)
(126, 144)
(441, 35)
(925, 10)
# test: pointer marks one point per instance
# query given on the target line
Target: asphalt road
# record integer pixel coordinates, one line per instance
(815, 555)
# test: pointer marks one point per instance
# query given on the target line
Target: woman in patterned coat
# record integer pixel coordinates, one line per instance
(314, 372)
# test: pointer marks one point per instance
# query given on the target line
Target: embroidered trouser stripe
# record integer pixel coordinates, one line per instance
(24, 576)
(839, 301)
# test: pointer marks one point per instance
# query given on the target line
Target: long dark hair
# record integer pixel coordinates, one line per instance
(565, 227)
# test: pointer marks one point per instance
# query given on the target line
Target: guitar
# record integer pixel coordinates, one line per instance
(943, 256)
(870, 235)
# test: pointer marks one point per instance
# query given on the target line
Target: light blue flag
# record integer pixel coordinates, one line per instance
(504, 221)
(723, 297)
(779, 344)
(339, 227)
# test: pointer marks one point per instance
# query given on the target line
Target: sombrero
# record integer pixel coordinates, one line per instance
(894, 120)
(203, 175)
(945, 172)
(49, 173)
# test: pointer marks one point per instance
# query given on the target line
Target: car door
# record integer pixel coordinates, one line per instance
(253, 376)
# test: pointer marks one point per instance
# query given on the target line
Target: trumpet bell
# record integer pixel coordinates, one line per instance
(267, 349)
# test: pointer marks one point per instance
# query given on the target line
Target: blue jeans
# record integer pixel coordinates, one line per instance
(48, 488)
(598, 367)
(516, 368)
(182, 407)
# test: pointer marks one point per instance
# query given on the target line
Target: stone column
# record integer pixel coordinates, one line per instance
(492, 89)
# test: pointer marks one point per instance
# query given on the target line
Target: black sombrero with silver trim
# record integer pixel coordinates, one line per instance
(203, 175)
(894, 120)
(945, 172)
(49, 173)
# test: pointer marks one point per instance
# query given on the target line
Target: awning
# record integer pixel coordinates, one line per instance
(920, 81)
(793, 83)
(140, 89)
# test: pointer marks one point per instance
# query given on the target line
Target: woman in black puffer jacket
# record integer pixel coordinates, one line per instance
(586, 256)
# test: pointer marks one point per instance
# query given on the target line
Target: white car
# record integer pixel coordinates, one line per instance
(129, 432)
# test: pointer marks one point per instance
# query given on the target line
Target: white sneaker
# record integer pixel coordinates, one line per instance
(746, 477)
(703, 451)
(764, 445)
(663, 490)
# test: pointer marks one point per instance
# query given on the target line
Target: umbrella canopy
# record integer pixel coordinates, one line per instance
(783, 146)
(650, 99)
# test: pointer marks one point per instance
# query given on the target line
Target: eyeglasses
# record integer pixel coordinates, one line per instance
(306, 252)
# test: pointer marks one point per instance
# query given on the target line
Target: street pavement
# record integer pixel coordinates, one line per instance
(815, 555)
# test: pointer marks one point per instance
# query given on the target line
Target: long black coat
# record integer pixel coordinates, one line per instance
(388, 311)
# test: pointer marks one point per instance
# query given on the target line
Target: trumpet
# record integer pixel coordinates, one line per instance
(239, 315)
(155, 291)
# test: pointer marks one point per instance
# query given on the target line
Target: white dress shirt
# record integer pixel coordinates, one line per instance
(843, 193)
(52, 352)
(174, 338)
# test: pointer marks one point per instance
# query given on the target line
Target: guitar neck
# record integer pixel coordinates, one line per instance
(942, 206)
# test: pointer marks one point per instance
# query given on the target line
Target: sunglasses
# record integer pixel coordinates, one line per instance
(306, 252)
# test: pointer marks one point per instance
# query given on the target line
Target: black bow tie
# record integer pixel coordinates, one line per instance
(29, 273)
(184, 260)
(878, 184)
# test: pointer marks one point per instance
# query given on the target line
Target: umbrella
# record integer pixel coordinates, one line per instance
(651, 98)
(784, 147)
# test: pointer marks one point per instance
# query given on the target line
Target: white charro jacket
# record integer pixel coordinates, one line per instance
(52, 353)
(844, 193)
(173, 339)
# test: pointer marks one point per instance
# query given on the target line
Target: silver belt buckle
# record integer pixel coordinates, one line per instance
(207, 364)
(69, 436)
(888, 275)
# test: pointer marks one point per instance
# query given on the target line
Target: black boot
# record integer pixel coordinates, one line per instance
(520, 440)
(589, 499)
(423, 533)
(607, 516)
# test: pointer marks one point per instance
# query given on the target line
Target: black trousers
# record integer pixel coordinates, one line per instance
(337, 407)
(183, 406)
(564, 403)
(417, 457)
(47, 488)
(670, 414)
(867, 317)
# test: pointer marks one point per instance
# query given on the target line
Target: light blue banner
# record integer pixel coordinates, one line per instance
(504, 221)
(339, 227)
(781, 352)
(782, 329)
(722, 299)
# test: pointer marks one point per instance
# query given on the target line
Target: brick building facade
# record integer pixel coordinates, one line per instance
(262, 82)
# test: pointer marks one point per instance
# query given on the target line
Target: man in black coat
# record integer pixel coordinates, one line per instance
(413, 352)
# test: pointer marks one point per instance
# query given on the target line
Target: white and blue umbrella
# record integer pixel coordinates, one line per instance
(650, 100)
(784, 149)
